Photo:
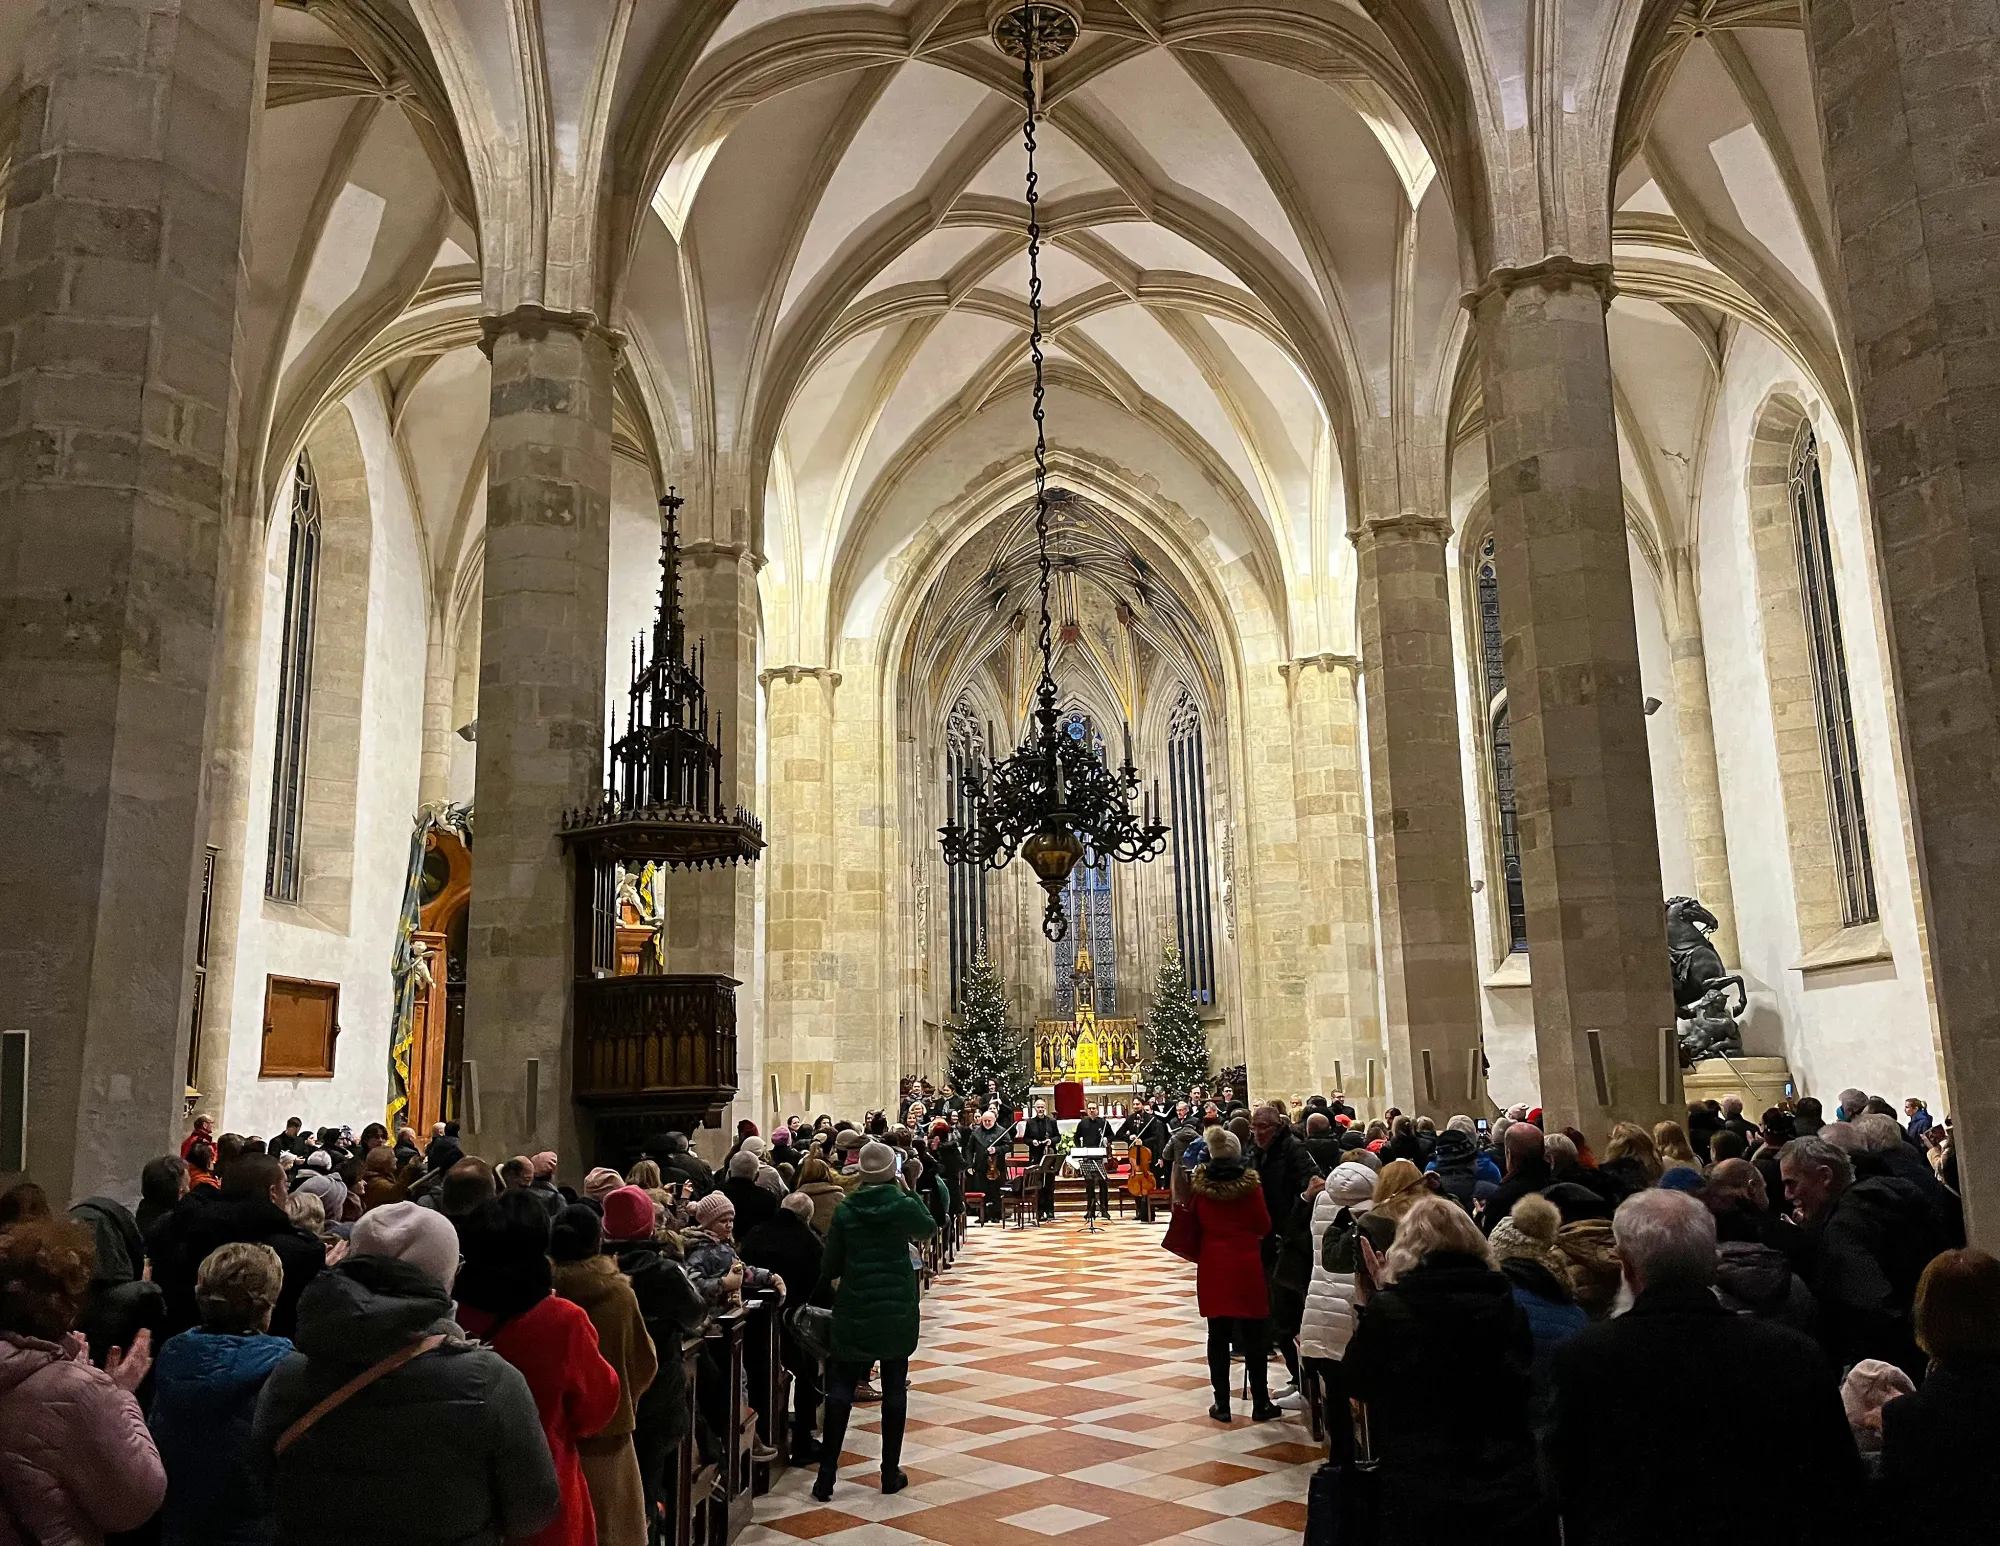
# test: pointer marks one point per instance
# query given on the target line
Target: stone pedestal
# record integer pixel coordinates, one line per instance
(121, 283)
(541, 713)
(1912, 178)
(1590, 858)
(1760, 1082)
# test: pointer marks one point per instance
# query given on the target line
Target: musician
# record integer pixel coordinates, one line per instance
(1093, 1132)
(1145, 1129)
(1227, 1105)
(1042, 1134)
(995, 1144)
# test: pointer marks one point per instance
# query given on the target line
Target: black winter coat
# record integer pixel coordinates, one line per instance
(182, 1240)
(785, 1244)
(1428, 1354)
(1757, 1280)
(1041, 1133)
(673, 1310)
(449, 1446)
(1623, 1386)
(1938, 1446)
(1862, 1262)
(754, 1204)
(1531, 1175)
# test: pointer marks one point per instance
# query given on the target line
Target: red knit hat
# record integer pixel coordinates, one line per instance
(628, 1214)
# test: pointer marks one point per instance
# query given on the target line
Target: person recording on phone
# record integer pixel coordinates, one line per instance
(1093, 1132)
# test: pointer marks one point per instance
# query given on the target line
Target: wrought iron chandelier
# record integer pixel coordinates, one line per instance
(1056, 801)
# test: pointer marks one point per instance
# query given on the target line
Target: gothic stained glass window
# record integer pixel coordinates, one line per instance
(1194, 927)
(1826, 654)
(1087, 901)
(288, 765)
(965, 884)
(1501, 744)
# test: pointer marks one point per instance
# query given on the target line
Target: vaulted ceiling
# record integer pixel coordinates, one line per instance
(1251, 257)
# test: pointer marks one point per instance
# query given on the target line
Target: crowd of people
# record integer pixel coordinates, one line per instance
(1777, 1318)
(483, 1354)
(1776, 1321)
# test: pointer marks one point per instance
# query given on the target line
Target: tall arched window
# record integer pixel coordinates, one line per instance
(1087, 900)
(965, 884)
(1500, 743)
(295, 667)
(1187, 773)
(1826, 657)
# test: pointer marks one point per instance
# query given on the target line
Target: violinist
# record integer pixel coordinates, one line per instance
(993, 1145)
(1042, 1134)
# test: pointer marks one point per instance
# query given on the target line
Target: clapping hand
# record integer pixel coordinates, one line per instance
(128, 1367)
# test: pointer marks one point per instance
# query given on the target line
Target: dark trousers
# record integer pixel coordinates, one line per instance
(1096, 1193)
(1333, 1400)
(1250, 1336)
(841, 1378)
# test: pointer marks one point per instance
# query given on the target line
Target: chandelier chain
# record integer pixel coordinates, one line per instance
(1045, 635)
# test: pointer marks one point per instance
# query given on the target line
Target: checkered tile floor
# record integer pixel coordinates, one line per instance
(1060, 1387)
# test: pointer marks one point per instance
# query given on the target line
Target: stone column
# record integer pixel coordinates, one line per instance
(541, 710)
(440, 673)
(1910, 123)
(801, 1015)
(121, 282)
(1342, 1020)
(1423, 881)
(1701, 779)
(1590, 855)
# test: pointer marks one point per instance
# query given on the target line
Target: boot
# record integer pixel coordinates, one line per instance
(895, 1412)
(829, 1448)
(1261, 1408)
(1218, 1379)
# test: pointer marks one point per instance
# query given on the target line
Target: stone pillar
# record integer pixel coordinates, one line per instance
(1910, 122)
(440, 675)
(541, 711)
(1590, 855)
(1423, 881)
(1343, 1024)
(801, 1018)
(121, 281)
(1701, 778)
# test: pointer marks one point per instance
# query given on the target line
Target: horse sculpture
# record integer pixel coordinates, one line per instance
(1698, 968)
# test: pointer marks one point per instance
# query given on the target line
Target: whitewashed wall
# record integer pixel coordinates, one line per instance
(1865, 1025)
(280, 941)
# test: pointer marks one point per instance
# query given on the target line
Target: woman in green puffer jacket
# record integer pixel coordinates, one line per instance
(875, 1318)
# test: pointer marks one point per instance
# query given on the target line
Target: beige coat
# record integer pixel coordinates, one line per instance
(610, 1465)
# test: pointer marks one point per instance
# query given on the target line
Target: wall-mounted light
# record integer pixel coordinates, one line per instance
(469, 731)
(1651, 706)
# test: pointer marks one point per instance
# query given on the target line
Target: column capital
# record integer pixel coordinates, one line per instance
(1326, 660)
(1406, 523)
(721, 552)
(1557, 271)
(793, 675)
(529, 320)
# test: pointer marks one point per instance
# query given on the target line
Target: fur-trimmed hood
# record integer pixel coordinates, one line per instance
(1225, 1180)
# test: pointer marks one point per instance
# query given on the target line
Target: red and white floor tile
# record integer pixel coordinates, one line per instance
(1060, 1388)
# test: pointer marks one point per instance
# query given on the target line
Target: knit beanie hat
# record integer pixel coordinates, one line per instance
(319, 1159)
(601, 1183)
(1351, 1185)
(1681, 1178)
(1530, 1231)
(544, 1164)
(628, 1214)
(331, 1192)
(420, 1236)
(754, 1145)
(781, 1138)
(576, 1234)
(877, 1164)
(714, 1209)
(742, 1166)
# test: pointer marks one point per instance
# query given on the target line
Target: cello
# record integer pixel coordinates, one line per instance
(1139, 1182)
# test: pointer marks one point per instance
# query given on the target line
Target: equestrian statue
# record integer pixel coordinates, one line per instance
(1702, 984)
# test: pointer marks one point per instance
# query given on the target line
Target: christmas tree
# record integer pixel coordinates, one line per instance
(1176, 1044)
(983, 1047)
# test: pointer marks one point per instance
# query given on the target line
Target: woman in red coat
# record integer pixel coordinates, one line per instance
(1229, 1270)
(505, 1298)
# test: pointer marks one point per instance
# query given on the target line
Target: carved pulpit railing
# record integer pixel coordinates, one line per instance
(667, 1040)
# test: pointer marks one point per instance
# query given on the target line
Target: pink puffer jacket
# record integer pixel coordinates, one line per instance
(76, 1460)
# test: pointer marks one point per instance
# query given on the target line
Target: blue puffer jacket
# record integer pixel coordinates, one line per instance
(205, 1388)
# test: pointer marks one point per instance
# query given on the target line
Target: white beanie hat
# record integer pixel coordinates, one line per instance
(1352, 1185)
(878, 1163)
(421, 1236)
